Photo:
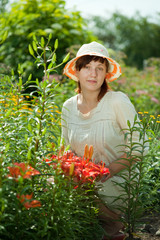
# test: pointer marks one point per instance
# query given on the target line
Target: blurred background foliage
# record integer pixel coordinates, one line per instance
(138, 37)
(132, 41)
(24, 19)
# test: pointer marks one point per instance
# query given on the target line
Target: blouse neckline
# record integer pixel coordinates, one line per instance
(90, 113)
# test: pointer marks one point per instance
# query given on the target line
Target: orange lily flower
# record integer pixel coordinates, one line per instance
(27, 201)
(81, 169)
(22, 169)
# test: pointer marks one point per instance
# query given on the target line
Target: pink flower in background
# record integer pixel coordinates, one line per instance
(156, 83)
(121, 81)
(142, 92)
(154, 100)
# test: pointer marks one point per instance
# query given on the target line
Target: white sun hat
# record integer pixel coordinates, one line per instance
(93, 49)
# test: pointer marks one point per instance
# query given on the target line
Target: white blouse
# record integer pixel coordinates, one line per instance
(103, 127)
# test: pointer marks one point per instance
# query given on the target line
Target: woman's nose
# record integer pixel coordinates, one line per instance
(93, 72)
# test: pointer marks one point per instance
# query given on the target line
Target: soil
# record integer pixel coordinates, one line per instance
(151, 224)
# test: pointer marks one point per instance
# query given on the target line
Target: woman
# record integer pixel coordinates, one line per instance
(96, 116)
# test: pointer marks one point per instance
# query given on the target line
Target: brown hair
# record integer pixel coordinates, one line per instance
(82, 62)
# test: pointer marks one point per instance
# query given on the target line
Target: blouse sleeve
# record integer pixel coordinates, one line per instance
(125, 112)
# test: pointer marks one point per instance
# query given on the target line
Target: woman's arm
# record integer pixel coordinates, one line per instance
(124, 111)
(117, 166)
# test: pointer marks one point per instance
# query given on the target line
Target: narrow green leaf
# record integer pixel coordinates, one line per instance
(5, 35)
(128, 123)
(29, 141)
(135, 118)
(50, 36)
(37, 82)
(50, 65)
(30, 77)
(34, 46)
(31, 50)
(42, 42)
(29, 127)
(34, 38)
(20, 69)
(56, 44)
(7, 147)
(54, 58)
(12, 72)
(44, 131)
(29, 155)
(66, 58)
(20, 82)
(8, 113)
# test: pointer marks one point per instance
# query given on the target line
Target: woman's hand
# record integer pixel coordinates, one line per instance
(106, 177)
(117, 166)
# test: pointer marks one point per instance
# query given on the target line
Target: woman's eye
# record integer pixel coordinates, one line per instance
(87, 67)
(101, 69)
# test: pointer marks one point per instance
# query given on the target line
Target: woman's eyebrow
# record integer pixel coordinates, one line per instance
(101, 64)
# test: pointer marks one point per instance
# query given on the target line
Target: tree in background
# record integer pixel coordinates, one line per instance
(3, 4)
(136, 36)
(27, 18)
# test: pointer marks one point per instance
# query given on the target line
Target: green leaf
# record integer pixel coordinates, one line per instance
(30, 77)
(44, 131)
(56, 44)
(20, 82)
(34, 46)
(54, 58)
(34, 38)
(8, 113)
(7, 147)
(66, 58)
(12, 72)
(29, 154)
(37, 81)
(128, 123)
(31, 50)
(29, 127)
(135, 118)
(50, 65)
(42, 42)
(50, 36)
(5, 35)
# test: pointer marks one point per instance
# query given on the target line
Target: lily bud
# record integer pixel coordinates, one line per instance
(71, 169)
(90, 152)
(86, 151)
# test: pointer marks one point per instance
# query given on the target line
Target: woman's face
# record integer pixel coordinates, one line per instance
(92, 75)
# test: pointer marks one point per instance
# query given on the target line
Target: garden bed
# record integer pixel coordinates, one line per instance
(151, 224)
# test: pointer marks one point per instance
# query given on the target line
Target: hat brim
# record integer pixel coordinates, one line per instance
(114, 70)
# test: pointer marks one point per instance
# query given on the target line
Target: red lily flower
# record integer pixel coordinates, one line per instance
(22, 169)
(32, 204)
(84, 170)
(27, 201)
